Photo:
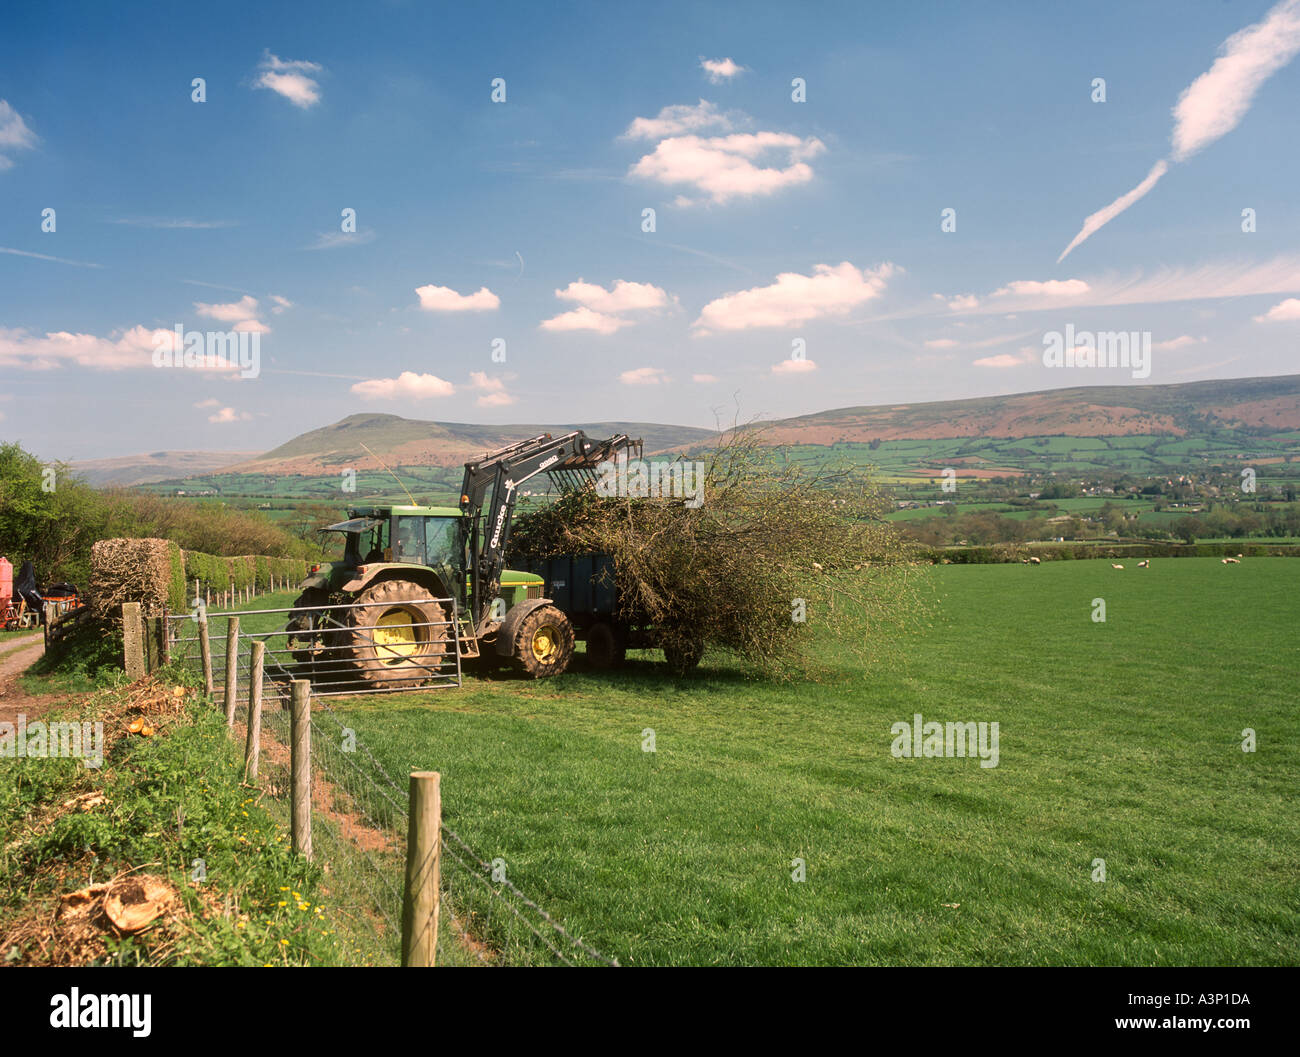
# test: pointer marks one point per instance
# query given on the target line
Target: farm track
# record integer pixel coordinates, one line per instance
(13, 699)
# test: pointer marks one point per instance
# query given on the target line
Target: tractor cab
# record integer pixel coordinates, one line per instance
(402, 535)
(429, 545)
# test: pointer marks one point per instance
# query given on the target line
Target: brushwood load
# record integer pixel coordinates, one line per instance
(743, 551)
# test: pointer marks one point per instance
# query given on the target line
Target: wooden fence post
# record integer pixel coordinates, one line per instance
(253, 743)
(423, 867)
(132, 641)
(205, 651)
(300, 767)
(232, 669)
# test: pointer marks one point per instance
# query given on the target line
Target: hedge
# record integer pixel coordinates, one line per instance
(216, 574)
(1014, 552)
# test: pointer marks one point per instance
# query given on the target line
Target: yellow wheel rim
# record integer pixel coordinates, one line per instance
(546, 643)
(395, 638)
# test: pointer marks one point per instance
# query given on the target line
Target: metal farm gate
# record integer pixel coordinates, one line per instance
(340, 649)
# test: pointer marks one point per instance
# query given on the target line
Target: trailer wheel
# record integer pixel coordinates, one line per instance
(396, 641)
(606, 646)
(683, 655)
(543, 643)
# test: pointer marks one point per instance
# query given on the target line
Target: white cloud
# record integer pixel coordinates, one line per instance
(606, 311)
(644, 376)
(960, 303)
(941, 343)
(229, 414)
(1283, 312)
(1219, 279)
(623, 296)
(128, 349)
(704, 379)
(832, 290)
(289, 79)
(236, 311)
(14, 134)
(281, 303)
(1004, 359)
(209, 402)
(675, 120)
(1181, 342)
(1214, 104)
(728, 167)
(794, 367)
(445, 299)
(493, 389)
(584, 319)
(1048, 288)
(407, 385)
(720, 70)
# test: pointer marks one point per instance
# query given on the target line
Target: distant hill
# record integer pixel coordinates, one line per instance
(129, 470)
(1192, 410)
(1189, 408)
(412, 442)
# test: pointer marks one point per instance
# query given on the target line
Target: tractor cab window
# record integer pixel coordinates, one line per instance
(363, 540)
(373, 542)
(443, 540)
(409, 540)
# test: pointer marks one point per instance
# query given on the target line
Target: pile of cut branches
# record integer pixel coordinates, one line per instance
(775, 548)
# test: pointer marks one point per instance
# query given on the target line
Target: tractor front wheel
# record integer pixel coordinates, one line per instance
(543, 643)
(305, 633)
(395, 639)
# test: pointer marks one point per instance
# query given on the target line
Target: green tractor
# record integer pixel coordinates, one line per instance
(373, 615)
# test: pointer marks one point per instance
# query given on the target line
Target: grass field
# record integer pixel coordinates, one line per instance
(1119, 741)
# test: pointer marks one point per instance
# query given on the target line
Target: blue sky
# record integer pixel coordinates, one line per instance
(520, 221)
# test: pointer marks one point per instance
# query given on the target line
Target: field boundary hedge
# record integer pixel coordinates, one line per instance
(997, 553)
(244, 571)
(158, 574)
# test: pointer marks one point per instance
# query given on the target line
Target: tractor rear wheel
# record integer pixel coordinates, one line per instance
(606, 646)
(543, 643)
(394, 639)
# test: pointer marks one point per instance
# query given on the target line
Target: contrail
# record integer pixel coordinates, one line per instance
(1110, 212)
(1214, 104)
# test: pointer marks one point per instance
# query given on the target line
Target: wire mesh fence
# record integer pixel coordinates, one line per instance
(360, 820)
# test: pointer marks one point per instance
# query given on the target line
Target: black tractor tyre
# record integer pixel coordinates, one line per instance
(683, 655)
(394, 640)
(606, 646)
(306, 641)
(543, 643)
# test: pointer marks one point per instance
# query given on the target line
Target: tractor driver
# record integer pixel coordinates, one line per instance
(376, 552)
